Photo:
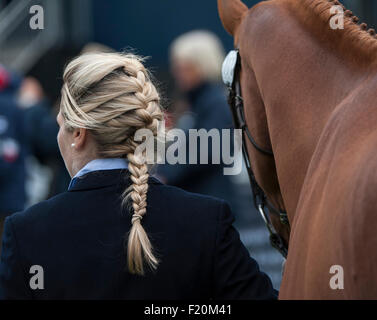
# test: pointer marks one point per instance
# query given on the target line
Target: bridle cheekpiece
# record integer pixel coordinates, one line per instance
(230, 73)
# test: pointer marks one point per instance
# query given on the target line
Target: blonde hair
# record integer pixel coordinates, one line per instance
(112, 95)
(201, 48)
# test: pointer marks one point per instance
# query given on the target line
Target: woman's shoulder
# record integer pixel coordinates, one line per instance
(39, 210)
(175, 199)
(173, 192)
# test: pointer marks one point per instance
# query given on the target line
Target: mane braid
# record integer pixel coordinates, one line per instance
(353, 36)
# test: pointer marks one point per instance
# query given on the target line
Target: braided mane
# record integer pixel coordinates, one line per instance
(353, 36)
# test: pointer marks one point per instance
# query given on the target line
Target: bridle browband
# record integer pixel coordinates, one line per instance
(230, 73)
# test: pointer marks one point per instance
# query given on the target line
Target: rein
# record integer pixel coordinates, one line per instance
(230, 73)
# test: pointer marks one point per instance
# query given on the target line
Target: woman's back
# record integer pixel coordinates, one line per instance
(118, 234)
(79, 239)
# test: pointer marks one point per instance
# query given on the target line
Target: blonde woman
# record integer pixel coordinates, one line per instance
(117, 233)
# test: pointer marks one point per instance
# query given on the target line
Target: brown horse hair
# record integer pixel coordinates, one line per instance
(353, 35)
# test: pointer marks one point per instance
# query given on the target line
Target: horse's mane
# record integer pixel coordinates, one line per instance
(353, 36)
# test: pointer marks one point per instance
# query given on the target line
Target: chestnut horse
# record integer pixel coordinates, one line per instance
(310, 96)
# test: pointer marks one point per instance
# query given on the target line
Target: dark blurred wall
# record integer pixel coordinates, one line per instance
(150, 26)
(366, 10)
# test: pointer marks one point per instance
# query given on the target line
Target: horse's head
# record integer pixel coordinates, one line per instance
(256, 132)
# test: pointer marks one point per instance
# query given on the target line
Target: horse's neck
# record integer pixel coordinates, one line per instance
(352, 41)
(301, 81)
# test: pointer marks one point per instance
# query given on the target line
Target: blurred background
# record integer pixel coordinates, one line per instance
(31, 66)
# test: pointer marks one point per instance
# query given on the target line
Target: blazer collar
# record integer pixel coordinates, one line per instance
(104, 178)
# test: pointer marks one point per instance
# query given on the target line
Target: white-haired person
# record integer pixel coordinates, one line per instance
(118, 233)
(196, 58)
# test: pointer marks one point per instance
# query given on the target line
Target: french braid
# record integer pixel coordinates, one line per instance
(112, 95)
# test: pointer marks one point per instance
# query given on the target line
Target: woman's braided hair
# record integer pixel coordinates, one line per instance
(112, 95)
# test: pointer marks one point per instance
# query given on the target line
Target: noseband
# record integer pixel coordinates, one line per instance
(231, 78)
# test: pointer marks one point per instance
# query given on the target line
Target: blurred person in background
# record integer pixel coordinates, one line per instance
(42, 129)
(13, 147)
(196, 59)
(28, 129)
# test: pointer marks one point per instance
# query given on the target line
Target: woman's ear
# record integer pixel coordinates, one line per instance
(79, 137)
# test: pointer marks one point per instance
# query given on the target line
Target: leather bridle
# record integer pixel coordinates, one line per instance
(231, 78)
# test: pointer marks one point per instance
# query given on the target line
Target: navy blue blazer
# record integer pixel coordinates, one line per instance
(78, 238)
(12, 169)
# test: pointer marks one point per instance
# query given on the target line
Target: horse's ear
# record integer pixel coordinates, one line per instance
(231, 13)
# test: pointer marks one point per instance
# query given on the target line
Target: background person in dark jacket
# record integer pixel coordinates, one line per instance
(27, 127)
(196, 59)
(13, 147)
(115, 233)
(41, 129)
